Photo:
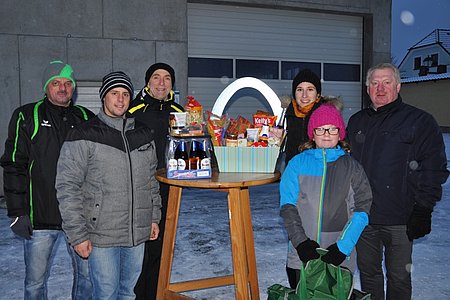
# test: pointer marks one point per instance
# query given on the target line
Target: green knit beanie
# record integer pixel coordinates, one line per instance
(57, 69)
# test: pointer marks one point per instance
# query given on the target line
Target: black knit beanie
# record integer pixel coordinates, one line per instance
(113, 80)
(306, 75)
(157, 66)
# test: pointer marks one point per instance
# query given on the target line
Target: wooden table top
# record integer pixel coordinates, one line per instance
(221, 180)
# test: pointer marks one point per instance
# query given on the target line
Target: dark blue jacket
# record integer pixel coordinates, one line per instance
(402, 151)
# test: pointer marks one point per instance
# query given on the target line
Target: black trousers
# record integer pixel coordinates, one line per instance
(146, 286)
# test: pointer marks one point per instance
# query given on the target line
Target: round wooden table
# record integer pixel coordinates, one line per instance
(244, 277)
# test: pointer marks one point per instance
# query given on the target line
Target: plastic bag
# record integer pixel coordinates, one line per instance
(318, 280)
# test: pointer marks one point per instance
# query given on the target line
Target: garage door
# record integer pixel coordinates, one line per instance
(230, 42)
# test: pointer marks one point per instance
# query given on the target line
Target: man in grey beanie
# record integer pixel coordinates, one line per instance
(35, 136)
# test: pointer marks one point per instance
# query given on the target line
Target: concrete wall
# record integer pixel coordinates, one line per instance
(99, 36)
(431, 96)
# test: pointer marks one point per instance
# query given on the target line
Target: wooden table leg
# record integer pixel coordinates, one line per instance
(168, 247)
(249, 243)
(238, 251)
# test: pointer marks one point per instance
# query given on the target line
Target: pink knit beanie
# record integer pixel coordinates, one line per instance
(324, 115)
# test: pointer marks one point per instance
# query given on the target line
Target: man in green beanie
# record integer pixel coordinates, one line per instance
(36, 133)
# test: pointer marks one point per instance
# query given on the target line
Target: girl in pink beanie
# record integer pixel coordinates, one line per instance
(325, 196)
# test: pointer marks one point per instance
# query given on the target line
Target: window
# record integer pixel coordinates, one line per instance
(434, 60)
(261, 69)
(341, 72)
(290, 68)
(417, 63)
(210, 67)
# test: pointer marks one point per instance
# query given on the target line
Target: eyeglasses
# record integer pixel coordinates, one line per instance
(331, 130)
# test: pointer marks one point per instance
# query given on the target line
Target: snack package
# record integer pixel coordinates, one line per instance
(216, 127)
(238, 126)
(264, 118)
(276, 135)
(194, 110)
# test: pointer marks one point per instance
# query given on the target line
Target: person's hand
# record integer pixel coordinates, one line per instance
(155, 232)
(419, 223)
(307, 250)
(334, 256)
(83, 249)
(22, 227)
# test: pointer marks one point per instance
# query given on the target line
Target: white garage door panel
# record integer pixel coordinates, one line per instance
(216, 30)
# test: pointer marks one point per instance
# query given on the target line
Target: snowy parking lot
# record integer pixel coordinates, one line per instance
(203, 248)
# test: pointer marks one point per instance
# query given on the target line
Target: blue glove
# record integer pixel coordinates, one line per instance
(334, 256)
(22, 227)
(307, 250)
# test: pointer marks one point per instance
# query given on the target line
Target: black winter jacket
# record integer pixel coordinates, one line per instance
(36, 133)
(402, 151)
(155, 114)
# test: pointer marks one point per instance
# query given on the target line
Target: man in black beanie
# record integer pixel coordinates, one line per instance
(152, 106)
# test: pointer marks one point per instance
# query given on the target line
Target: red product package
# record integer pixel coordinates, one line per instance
(260, 120)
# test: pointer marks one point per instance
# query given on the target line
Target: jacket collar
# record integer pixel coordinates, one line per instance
(394, 105)
(330, 154)
(116, 123)
(57, 107)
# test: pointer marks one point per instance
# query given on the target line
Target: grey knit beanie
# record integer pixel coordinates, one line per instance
(57, 69)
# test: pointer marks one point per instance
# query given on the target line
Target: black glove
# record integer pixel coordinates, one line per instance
(334, 256)
(307, 250)
(419, 223)
(22, 227)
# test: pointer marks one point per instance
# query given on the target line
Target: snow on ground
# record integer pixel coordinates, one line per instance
(203, 248)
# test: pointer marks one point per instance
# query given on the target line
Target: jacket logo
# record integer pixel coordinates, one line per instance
(46, 123)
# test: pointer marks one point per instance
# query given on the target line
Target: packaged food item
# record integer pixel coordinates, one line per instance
(216, 127)
(232, 140)
(238, 126)
(252, 135)
(276, 135)
(177, 122)
(263, 119)
(264, 133)
(242, 142)
(194, 110)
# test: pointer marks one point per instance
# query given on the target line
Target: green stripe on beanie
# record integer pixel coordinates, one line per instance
(57, 69)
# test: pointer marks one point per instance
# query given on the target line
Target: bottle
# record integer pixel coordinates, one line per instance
(205, 161)
(172, 163)
(194, 160)
(181, 156)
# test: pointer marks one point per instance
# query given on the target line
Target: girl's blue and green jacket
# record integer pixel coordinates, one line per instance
(325, 196)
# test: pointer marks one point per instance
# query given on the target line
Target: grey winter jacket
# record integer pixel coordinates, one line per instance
(325, 196)
(105, 183)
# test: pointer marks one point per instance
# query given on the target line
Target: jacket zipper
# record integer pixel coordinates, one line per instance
(127, 146)
(322, 192)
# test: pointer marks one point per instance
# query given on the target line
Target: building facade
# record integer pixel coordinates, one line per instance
(425, 72)
(209, 44)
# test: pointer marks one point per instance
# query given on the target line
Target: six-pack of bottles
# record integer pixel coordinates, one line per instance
(188, 157)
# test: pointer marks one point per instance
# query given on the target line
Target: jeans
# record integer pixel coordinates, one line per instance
(82, 286)
(397, 257)
(115, 270)
(39, 253)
